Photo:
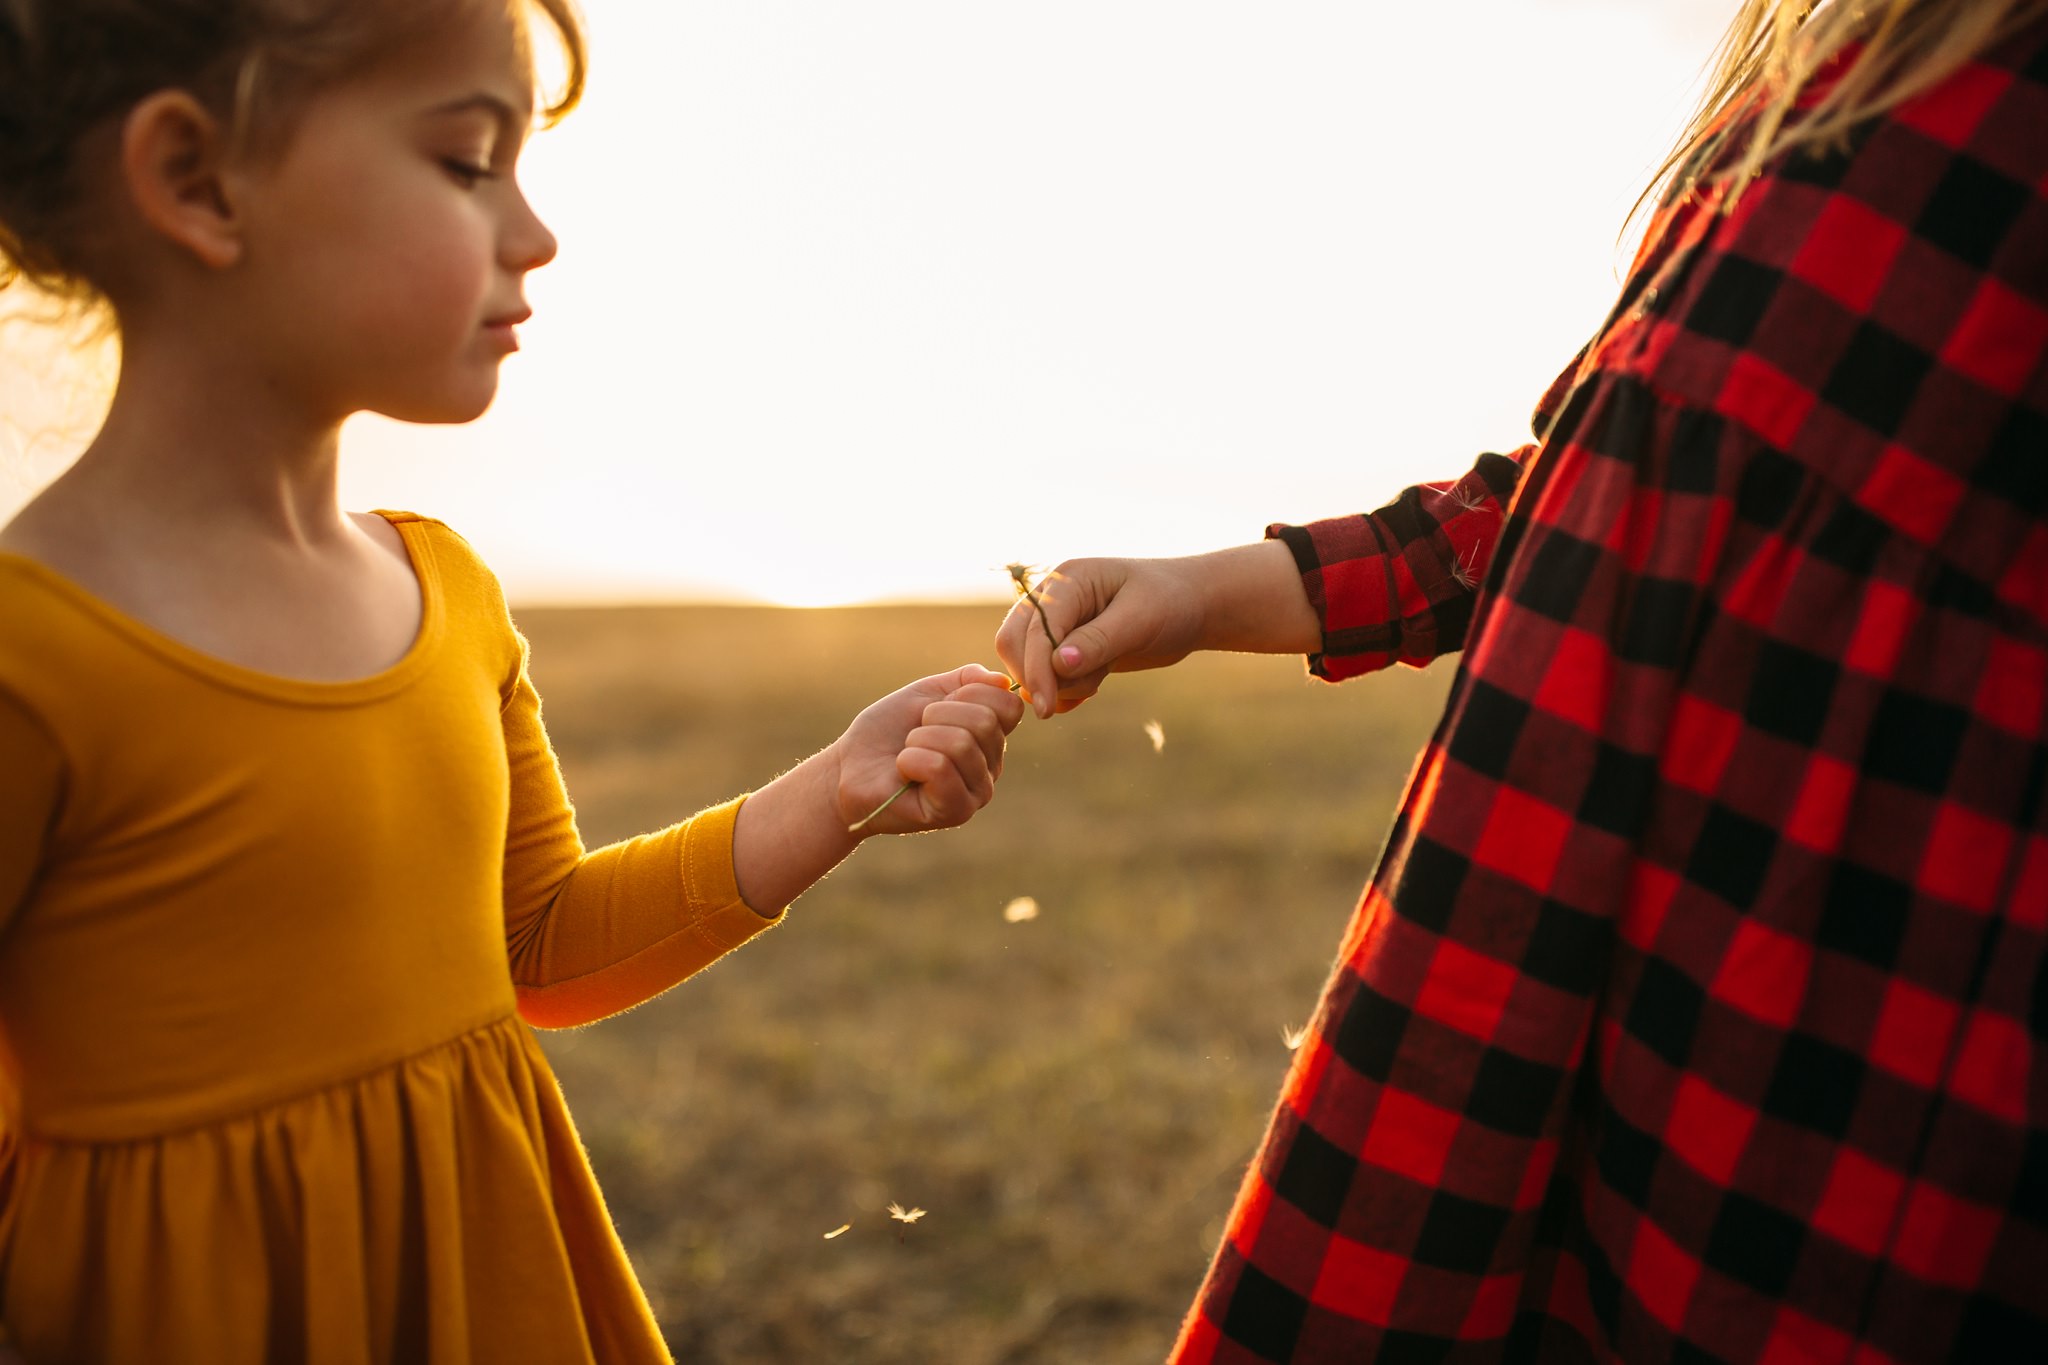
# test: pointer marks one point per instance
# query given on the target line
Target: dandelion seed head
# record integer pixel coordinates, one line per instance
(1020, 577)
(1021, 909)
(1157, 733)
(903, 1215)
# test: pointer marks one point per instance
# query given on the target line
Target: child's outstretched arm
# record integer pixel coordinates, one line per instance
(589, 934)
(1355, 593)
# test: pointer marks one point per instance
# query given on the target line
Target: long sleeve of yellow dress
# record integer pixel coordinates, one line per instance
(590, 934)
(31, 778)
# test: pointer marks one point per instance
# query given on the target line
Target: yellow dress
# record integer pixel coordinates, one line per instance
(269, 951)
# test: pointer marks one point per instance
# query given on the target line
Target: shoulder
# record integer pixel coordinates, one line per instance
(1878, 314)
(54, 650)
(427, 542)
(452, 569)
(394, 519)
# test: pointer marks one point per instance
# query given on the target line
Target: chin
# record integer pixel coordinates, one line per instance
(442, 409)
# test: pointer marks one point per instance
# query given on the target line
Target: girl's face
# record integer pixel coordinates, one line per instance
(387, 245)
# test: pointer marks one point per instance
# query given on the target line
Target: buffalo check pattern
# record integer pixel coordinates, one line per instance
(1696, 1011)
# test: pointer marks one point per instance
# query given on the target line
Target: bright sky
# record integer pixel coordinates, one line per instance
(863, 301)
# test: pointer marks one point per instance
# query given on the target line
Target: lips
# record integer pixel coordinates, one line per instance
(502, 329)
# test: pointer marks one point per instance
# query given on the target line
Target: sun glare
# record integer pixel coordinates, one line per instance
(847, 309)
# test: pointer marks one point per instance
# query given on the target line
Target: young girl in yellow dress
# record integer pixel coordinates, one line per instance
(286, 865)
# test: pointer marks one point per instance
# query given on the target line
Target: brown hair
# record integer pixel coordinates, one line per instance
(1775, 47)
(70, 68)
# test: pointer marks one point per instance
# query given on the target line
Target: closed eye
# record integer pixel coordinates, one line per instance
(467, 174)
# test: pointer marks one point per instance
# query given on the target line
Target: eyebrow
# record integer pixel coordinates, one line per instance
(507, 113)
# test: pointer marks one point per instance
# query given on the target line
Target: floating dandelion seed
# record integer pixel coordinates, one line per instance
(1293, 1036)
(1157, 734)
(1021, 909)
(904, 1216)
(1471, 500)
(836, 1231)
(1466, 575)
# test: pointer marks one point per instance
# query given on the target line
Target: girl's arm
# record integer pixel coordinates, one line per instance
(1355, 593)
(591, 933)
(31, 785)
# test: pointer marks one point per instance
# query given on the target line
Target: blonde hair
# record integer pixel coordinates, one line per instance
(69, 68)
(1774, 48)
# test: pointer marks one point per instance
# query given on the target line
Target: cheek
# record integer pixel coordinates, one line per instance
(410, 266)
(406, 321)
(440, 309)
(437, 271)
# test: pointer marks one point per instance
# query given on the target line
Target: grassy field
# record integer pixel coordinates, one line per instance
(1073, 1098)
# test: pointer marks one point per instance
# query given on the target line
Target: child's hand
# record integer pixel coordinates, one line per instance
(1120, 615)
(944, 734)
(939, 740)
(1109, 616)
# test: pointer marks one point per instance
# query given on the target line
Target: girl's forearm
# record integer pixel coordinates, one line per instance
(790, 833)
(1253, 601)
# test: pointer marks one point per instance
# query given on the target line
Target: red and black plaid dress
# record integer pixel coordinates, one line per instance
(1697, 1009)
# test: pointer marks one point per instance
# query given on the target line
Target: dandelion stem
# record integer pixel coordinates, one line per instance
(1020, 574)
(1043, 624)
(862, 823)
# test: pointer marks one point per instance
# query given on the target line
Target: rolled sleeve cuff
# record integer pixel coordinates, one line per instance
(1343, 567)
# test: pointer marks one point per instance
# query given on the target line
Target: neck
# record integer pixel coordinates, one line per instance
(199, 439)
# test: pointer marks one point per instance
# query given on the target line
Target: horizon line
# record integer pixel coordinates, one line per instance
(623, 601)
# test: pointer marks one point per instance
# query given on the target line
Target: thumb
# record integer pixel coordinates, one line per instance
(1096, 644)
(967, 675)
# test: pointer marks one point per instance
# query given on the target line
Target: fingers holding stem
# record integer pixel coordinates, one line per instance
(868, 819)
(1020, 575)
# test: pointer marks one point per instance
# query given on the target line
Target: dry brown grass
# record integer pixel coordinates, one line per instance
(1074, 1098)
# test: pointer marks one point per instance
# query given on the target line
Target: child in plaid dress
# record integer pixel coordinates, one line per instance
(1697, 1010)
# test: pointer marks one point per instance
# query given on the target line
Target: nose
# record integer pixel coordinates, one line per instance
(527, 244)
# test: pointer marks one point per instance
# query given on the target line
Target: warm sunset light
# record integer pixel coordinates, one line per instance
(862, 302)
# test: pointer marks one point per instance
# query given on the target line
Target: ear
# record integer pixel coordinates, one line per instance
(173, 152)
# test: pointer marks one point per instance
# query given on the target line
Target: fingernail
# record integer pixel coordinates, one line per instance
(1069, 655)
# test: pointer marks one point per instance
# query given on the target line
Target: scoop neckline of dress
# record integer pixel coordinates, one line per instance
(240, 677)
